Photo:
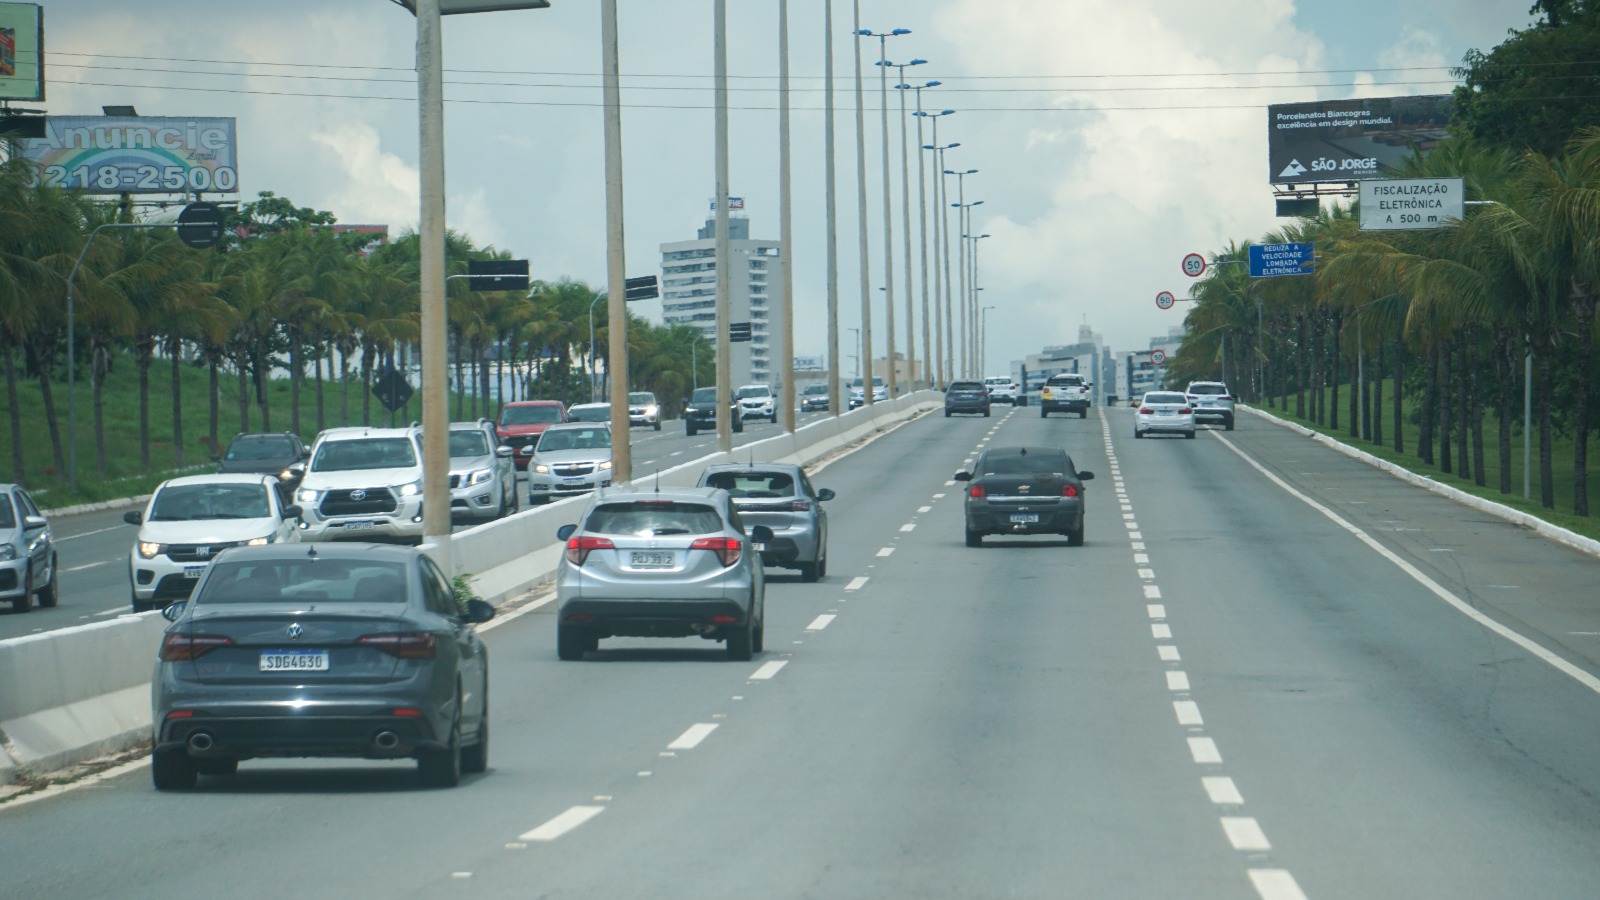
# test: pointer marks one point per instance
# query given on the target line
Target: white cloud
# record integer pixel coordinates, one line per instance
(379, 187)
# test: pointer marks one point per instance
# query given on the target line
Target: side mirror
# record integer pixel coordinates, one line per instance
(961, 476)
(565, 532)
(825, 495)
(291, 512)
(761, 534)
(172, 612)
(34, 523)
(479, 611)
(1085, 476)
(305, 453)
(504, 452)
(133, 517)
(298, 470)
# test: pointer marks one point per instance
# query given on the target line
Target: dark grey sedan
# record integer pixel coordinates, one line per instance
(1024, 490)
(355, 650)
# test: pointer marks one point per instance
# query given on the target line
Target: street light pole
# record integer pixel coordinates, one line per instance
(905, 223)
(861, 202)
(835, 398)
(943, 206)
(724, 248)
(888, 203)
(931, 357)
(973, 305)
(616, 260)
(785, 229)
(983, 340)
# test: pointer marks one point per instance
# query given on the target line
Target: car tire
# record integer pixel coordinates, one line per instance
(441, 767)
(50, 594)
(571, 643)
(658, 424)
(741, 643)
(218, 766)
(947, 414)
(986, 413)
(1044, 413)
(1189, 435)
(24, 602)
(822, 566)
(1083, 414)
(974, 538)
(1075, 537)
(1138, 434)
(809, 572)
(1228, 424)
(758, 638)
(738, 426)
(475, 757)
(688, 429)
(173, 770)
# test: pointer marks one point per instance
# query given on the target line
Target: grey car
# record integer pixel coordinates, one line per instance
(780, 497)
(1211, 402)
(353, 650)
(1024, 490)
(571, 458)
(673, 563)
(483, 479)
(27, 552)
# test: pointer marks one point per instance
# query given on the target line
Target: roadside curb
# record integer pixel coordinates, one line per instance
(102, 506)
(1553, 532)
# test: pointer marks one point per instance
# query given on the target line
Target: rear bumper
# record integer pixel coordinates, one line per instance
(653, 618)
(352, 729)
(997, 519)
(966, 406)
(1212, 414)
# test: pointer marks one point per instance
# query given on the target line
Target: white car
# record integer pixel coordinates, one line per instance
(190, 520)
(644, 410)
(1164, 412)
(757, 401)
(858, 392)
(363, 483)
(1001, 389)
(571, 458)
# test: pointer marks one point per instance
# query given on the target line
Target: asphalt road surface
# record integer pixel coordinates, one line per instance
(1270, 672)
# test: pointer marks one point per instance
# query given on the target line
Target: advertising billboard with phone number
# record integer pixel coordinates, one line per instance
(143, 155)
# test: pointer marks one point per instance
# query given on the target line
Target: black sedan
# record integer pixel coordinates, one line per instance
(1024, 490)
(354, 650)
(966, 397)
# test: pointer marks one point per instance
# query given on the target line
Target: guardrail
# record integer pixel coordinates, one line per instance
(71, 695)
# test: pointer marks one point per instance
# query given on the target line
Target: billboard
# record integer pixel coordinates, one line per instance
(809, 364)
(1411, 204)
(143, 155)
(21, 51)
(1348, 140)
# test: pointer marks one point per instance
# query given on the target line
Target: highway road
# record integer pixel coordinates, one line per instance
(1272, 671)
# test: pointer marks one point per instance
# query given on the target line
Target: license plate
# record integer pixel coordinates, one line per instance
(294, 660)
(1163, 412)
(193, 571)
(359, 526)
(574, 479)
(1024, 518)
(651, 560)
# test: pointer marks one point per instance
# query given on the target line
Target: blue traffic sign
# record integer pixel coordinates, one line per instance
(1267, 260)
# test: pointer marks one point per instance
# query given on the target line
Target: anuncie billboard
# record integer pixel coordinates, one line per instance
(143, 155)
(1348, 140)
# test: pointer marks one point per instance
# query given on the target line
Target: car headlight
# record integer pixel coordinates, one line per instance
(307, 495)
(259, 542)
(7, 551)
(149, 550)
(541, 468)
(285, 475)
(651, 410)
(480, 476)
(410, 490)
(605, 465)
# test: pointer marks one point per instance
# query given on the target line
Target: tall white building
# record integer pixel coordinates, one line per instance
(689, 292)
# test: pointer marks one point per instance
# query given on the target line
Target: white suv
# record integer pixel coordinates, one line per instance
(363, 483)
(1001, 389)
(756, 401)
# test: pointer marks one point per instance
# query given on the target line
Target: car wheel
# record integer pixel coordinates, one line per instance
(658, 424)
(50, 594)
(738, 426)
(1189, 435)
(442, 767)
(1138, 434)
(571, 642)
(1228, 425)
(217, 766)
(1075, 537)
(758, 640)
(974, 538)
(809, 572)
(173, 770)
(1044, 413)
(689, 430)
(475, 757)
(1083, 414)
(741, 643)
(24, 602)
(822, 566)
(986, 413)
(947, 414)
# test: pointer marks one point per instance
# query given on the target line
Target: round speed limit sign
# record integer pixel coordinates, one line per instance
(1164, 300)
(1194, 265)
(1157, 357)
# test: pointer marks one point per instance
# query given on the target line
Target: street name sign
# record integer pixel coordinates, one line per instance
(1269, 260)
(1411, 204)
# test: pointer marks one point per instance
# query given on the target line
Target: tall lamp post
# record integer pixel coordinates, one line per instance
(983, 340)
(965, 317)
(938, 373)
(905, 227)
(861, 199)
(835, 394)
(888, 200)
(785, 230)
(972, 305)
(724, 248)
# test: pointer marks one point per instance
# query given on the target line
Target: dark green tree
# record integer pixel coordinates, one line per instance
(1539, 87)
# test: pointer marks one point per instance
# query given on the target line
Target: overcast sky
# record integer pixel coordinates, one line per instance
(1112, 136)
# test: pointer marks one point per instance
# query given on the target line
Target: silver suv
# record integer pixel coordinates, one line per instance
(1211, 401)
(27, 553)
(483, 480)
(363, 483)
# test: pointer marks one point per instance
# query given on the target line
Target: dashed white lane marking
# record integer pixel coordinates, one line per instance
(1138, 545)
(679, 453)
(949, 483)
(1128, 516)
(1245, 834)
(938, 496)
(770, 669)
(1131, 526)
(87, 566)
(697, 732)
(1161, 632)
(1556, 662)
(1177, 681)
(885, 551)
(1204, 750)
(819, 623)
(1221, 790)
(923, 509)
(1168, 653)
(1156, 610)
(1135, 536)
(1188, 712)
(1152, 592)
(1276, 884)
(856, 583)
(909, 526)
(562, 823)
(1147, 574)
(1141, 559)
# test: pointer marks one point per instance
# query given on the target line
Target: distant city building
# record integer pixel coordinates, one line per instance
(1088, 357)
(689, 291)
(905, 373)
(1140, 373)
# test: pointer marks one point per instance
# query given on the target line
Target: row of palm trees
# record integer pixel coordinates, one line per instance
(1449, 314)
(296, 301)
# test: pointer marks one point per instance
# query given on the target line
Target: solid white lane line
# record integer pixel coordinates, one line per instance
(1556, 662)
(697, 732)
(1245, 834)
(1161, 632)
(820, 622)
(1151, 592)
(72, 537)
(1204, 751)
(909, 526)
(87, 566)
(506, 618)
(1188, 712)
(1156, 610)
(562, 823)
(885, 551)
(769, 669)
(1276, 884)
(1221, 790)
(1177, 681)
(856, 583)
(923, 509)
(1167, 653)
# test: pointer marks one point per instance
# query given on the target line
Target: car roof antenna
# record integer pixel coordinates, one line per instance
(658, 479)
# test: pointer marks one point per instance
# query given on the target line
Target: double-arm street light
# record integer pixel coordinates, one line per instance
(972, 305)
(929, 355)
(941, 281)
(961, 230)
(905, 223)
(861, 194)
(888, 200)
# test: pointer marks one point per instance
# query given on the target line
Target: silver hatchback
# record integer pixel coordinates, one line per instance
(673, 563)
(781, 498)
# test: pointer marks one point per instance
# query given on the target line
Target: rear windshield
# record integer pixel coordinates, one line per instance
(648, 518)
(1066, 379)
(304, 580)
(364, 453)
(1164, 398)
(966, 386)
(186, 502)
(530, 415)
(465, 444)
(575, 439)
(260, 448)
(590, 414)
(8, 514)
(753, 484)
(1025, 464)
(1208, 389)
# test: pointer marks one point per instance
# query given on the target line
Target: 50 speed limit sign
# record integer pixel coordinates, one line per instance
(1194, 265)
(1157, 357)
(1164, 300)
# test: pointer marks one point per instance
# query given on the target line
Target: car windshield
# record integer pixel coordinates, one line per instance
(530, 415)
(650, 518)
(364, 453)
(703, 395)
(188, 502)
(600, 413)
(467, 444)
(1208, 389)
(260, 448)
(756, 391)
(752, 484)
(8, 514)
(1036, 463)
(1158, 399)
(304, 580)
(641, 397)
(574, 439)
(817, 389)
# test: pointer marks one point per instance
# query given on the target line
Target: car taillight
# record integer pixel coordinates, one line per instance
(727, 549)
(578, 547)
(1068, 490)
(1185, 411)
(179, 647)
(412, 645)
(977, 492)
(1146, 411)
(800, 506)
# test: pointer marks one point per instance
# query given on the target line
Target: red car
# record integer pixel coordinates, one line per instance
(523, 421)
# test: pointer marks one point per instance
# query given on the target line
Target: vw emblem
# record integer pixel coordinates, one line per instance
(295, 631)
(358, 494)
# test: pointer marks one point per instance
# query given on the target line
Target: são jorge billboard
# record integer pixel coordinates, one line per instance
(1348, 140)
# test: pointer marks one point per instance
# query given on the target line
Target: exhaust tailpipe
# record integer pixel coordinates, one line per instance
(201, 742)
(386, 740)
